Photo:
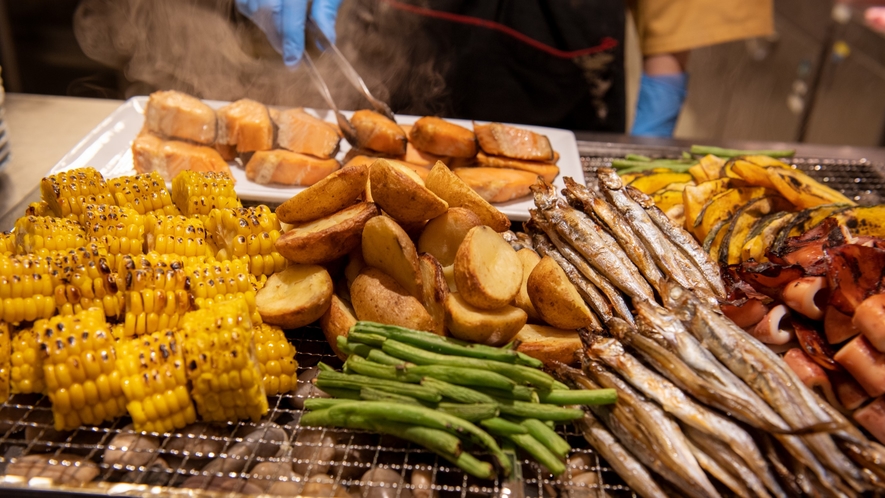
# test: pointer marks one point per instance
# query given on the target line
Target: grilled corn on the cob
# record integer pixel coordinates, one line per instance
(5, 360)
(39, 208)
(156, 271)
(220, 281)
(150, 310)
(248, 234)
(120, 229)
(155, 382)
(7, 243)
(27, 363)
(68, 192)
(176, 234)
(27, 285)
(145, 193)
(79, 368)
(36, 233)
(276, 358)
(197, 193)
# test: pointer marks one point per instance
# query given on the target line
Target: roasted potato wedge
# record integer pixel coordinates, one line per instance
(488, 272)
(497, 184)
(337, 321)
(442, 182)
(295, 297)
(549, 344)
(529, 260)
(443, 235)
(449, 274)
(386, 246)
(435, 290)
(804, 191)
(555, 298)
(377, 297)
(490, 327)
(328, 238)
(355, 264)
(328, 196)
(402, 196)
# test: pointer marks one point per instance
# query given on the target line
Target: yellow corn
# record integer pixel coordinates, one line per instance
(7, 243)
(221, 366)
(27, 286)
(120, 229)
(145, 193)
(68, 192)
(276, 358)
(248, 234)
(197, 193)
(155, 382)
(176, 234)
(40, 208)
(5, 360)
(36, 233)
(220, 281)
(150, 310)
(79, 368)
(155, 271)
(26, 374)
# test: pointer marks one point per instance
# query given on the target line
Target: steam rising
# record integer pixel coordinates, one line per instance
(204, 48)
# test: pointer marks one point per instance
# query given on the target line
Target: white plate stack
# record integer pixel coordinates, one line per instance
(4, 136)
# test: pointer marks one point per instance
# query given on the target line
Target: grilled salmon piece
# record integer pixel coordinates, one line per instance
(170, 157)
(438, 136)
(300, 132)
(245, 124)
(546, 171)
(228, 152)
(376, 132)
(174, 114)
(498, 139)
(368, 160)
(288, 168)
(497, 184)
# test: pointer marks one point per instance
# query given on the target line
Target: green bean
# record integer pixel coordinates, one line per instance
(343, 346)
(579, 397)
(540, 452)
(528, 361)
(547, 436)
(703, 150)
(464, 376)
(367, 338)
(500, 427)
(539, 411)
(637, 157)
(437, 344)
(340, 393)
(519, 373)
(521, 393)
(639, 167)
(363, 366)
(383, 358)
(372, 394)
(364, 350)
(324, 367)
(457, 393)
(316, 404)
(559, 386)
(470, 413)
(356, 382)
(472, 466)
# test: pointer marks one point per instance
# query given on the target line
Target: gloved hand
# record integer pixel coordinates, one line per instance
(283, 22)
(660, 100)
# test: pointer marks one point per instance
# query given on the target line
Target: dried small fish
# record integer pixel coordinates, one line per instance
(713, 468)
(732, 463)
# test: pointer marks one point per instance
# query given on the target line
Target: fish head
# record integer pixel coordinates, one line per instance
(640, 197)
(544, 194)
(619, 328)
(609, 178)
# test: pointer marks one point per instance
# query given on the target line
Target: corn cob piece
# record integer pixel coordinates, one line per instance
(26, 373)
(5, 360)
(27, 286)
(220, 281)
(79, 368)
(155, 382)
(145, 194)
(276, 358)
(248, 234)
(83, 280)
(221, 364)
(150, 310)
(40, 208)
(120, 229)
(197, 193)
(36, 233)
(68, 192)
(176, 234)
(7, 243)
(155, 271)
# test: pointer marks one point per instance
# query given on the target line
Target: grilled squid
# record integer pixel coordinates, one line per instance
(807, 295)
(812, 375)
(746, 315)
(775, 327)
(864, 363)
(838, 326)
(872, 418)
(869, 318)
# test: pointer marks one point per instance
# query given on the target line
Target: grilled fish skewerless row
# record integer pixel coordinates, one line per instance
(729, 460)
(716, 470)
(678, 404)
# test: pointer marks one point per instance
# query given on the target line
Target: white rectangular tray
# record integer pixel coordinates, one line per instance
(107, 148)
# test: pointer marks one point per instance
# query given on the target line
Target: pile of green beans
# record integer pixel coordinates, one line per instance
(634, 163)
(440, 393)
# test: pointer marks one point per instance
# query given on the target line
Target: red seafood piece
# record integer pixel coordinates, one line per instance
(776, 327)
(814, 346)
(769, 278)
(837, 326)
(851, 395)
(811, 374)
(872, 418)
(869, 318)
(864, 363)
(746, 314)
(854, 273)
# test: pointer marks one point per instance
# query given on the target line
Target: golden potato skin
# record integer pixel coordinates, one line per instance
(443, 235)
(529, 260)
(435, 290)
(295, 297)
(328, 238)
(376, 297)
(555, 298)
(442, 182)
(337, 321)
(400, 196)
(487, 271)
(329, 195)
(386, 246)
(489, 327)
(549, 344)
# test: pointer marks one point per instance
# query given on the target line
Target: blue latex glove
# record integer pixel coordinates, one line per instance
(283, 22)
(660, 100)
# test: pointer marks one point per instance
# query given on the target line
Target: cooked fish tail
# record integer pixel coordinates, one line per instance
(828, 453)
(800, 452)
(712, 466)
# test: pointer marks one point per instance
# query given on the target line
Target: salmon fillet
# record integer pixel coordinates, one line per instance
(178, 115)
(497, 184)
(246, 124)
(368, 160)
(498, 139)
(288, 168)
(376, 132)
(546, 171)
(170, 157)
(300, 132)
(228, 152)
(438, 136)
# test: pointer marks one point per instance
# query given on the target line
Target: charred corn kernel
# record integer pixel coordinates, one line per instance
(156, 271)
(40, 208)
(276, 358)
(176, 234)
(248, 234)
(258, 281)
(145, 194)
(155, 382)
(35, 233)
(68, 192)
(197, 193)
(120, 229)
(202, 303)
(26, 373)
(78, 349)
(220, 361)
(7, 243)
(150, 310)
(26, 297)
(5, 360)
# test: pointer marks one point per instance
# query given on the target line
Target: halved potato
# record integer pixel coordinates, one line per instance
(443, 235)
(355, 264)
(403, 196)
(295, 297)
(328, 238)
(549, 344)
(386, 246)
(377, 297)
(449, 274)
(337, 321)
(442, 182)
(487, 271)
(329, 195)
(555, 298)
(435, 290)
(529, 260)
(491, 327)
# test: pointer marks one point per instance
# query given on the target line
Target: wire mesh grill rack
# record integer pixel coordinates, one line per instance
(166, 462)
